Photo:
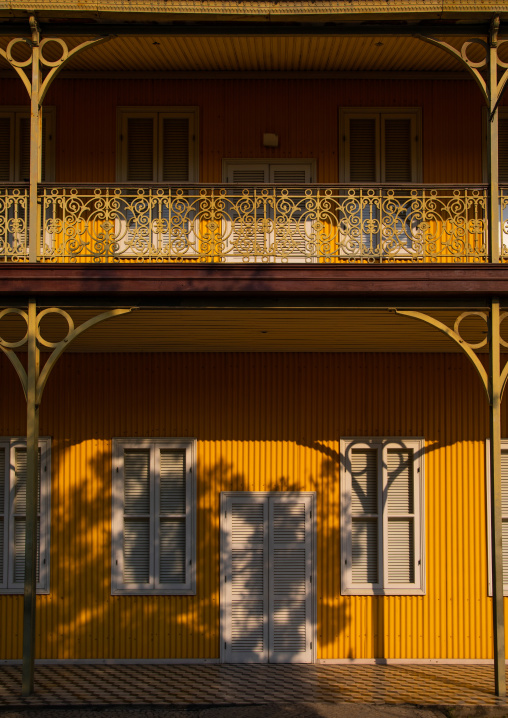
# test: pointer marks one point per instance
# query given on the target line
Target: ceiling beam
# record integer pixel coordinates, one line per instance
(246, 29)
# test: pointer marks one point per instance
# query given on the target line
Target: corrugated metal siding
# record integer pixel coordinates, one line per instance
(263, 422)
(235, 113)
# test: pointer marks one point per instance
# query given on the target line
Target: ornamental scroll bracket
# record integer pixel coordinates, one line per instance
(49, 68)
(491, 84)
(73, 333)
(469, 348)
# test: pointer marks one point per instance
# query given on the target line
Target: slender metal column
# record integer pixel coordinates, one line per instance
(495, 493)
(32, 450)
(492, 146)
(35, 144)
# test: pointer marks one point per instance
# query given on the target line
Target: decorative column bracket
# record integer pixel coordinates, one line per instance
(53, 67)
(494, 383)
(33, 381)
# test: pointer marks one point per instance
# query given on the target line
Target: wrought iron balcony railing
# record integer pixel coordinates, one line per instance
(255, 224)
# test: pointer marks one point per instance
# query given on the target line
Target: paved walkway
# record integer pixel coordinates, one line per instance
(198, 686)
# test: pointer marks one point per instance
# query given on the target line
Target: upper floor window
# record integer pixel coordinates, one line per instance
(13, 466)
(15, 144)
(380, 145)
(157, 144)
(382, 516)
(154, 516)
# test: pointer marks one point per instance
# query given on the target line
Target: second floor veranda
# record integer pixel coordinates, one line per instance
(251, 223)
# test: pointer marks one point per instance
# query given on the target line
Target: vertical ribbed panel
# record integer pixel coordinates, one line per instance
(172, 482)
(237, 112)
(264, 422)
(503, 149)
(175, 149)
(136, 481)
(2, 481)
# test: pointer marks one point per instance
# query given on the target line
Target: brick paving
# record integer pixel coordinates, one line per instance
(243, 685)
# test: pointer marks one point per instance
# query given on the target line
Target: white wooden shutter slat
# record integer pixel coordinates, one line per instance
(364, 551)
(401, 567)
(3, 522)
(364, 481)
(136, 481)
(20, 466)
(24, 149)
(287, 175)
(290, 571)
(5, 148)
(362, 149)
(397, 154)
(175, 149)
(246, 589)
(2, 549)
(140, 149)
(172, 482)
(19, 550)
(400, 488)
(248, 175)
(136, 551)
(172, 541)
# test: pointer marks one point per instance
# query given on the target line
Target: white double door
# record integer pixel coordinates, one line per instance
(267, 576)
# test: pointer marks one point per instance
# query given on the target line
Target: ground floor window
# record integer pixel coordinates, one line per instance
(13, 468)
(154, 507)
(382, 516)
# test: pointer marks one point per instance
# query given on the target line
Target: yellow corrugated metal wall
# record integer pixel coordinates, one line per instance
(263, 422)
(235, 113)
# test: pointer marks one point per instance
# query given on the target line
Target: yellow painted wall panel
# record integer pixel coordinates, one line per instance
(262, 422)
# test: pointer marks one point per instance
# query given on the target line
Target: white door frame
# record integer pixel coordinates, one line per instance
(224, 558)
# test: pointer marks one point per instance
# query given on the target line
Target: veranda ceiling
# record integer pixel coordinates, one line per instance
(325, 54)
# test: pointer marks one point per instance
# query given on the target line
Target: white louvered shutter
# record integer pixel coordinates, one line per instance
(19, 516)
(504, 512)
(246, 580)
(365, 569)
(3, 517)
(174, 149)
(139, 140)
(290, 579)
(137, 534)
(362, 149)
(400, 502)
(173, 548)
(397, 155)
(6, 148)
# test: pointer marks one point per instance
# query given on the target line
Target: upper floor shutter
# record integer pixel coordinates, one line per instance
(6, 149)
(19, 514)
(140, 149)
(398, 140)
(363, 149)
(503, 148)
(175, 149)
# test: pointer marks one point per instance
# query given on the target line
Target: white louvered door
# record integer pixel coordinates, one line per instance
(290, 579)
(267, 574)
